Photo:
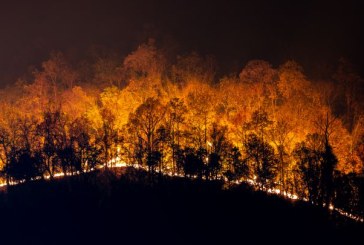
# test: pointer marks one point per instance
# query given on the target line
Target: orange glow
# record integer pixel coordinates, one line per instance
(272, 128)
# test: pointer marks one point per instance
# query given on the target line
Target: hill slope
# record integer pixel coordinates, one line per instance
(101, 208)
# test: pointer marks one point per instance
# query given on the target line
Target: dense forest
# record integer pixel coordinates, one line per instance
(272, 127)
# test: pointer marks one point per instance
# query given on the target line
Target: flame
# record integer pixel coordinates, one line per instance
(118, 163)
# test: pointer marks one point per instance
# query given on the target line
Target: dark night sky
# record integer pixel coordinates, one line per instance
(312, 32)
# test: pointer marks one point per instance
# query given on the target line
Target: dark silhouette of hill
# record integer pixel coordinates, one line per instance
(102, 208)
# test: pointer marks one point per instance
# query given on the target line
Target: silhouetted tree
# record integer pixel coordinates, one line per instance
(52, 132)
(262, 158)
(176, 111)
(107, 133)
(309, 163)
(329, 160)
(23, 166)
(237, 167)
(69, 159)
(154, 158)
(317, 163)
(193, 162)
(217, 149)
(88, 154)
(144, 124)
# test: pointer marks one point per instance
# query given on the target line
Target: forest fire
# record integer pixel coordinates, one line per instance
(117, 163)
(273, 126)
(190, 115)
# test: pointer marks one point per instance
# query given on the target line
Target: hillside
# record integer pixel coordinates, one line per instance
(132, 208)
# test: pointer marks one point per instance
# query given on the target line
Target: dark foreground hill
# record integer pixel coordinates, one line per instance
(101, 208)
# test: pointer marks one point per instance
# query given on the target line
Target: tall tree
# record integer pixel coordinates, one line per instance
(262, 159)
(309, 159)
(176, 112)
(329, 160)
(280, 136)
(53, 134)
(145, 123)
